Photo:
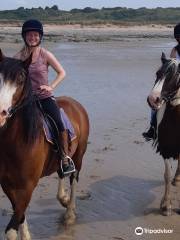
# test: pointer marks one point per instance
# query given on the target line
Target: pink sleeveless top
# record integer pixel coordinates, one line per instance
(38, 73)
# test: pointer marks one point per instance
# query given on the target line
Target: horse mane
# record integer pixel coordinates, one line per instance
(171, 66)
(30, 114)
(28, 108)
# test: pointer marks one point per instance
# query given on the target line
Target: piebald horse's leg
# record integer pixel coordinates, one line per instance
(24, 231)
(176, 180)
(70, 216)
(166, 200)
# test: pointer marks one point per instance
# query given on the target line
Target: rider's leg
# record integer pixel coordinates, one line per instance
(151, 133)
(50, 107)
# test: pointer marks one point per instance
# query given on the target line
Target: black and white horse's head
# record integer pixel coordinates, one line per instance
(13, 75)
(167, 82)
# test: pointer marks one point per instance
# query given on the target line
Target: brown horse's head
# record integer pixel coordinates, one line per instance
(13, 84)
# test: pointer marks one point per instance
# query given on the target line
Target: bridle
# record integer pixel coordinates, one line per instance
(171, 96)
(12, 110)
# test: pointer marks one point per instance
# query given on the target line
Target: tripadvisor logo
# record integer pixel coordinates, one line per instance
(139, 231)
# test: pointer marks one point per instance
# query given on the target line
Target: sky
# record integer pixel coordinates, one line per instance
(70, 4)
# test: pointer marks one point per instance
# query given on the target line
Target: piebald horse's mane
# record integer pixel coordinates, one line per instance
(169, 68)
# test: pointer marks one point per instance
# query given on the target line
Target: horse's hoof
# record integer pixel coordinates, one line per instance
(166, 211)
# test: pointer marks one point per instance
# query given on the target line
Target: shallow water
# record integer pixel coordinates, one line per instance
(121, 182)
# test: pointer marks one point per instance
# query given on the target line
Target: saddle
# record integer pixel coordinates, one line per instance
(51, 130)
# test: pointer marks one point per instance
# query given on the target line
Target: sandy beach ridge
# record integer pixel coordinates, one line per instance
(79, 33)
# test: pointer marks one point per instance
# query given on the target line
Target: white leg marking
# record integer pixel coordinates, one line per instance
(62, 196)
(61, 189)
(24, 231)
(70, 215)
(11, 234)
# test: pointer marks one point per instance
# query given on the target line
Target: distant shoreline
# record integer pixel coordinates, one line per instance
(79, 33)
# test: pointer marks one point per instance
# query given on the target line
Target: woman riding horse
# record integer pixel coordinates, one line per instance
(32, 34)
(175, 53)
(25, 154)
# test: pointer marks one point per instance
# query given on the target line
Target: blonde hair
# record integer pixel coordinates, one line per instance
(24, 53)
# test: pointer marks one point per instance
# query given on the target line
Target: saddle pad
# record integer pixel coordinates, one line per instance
(66, 123)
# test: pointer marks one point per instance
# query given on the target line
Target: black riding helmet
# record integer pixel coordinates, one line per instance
(177, 31)
(32, 25)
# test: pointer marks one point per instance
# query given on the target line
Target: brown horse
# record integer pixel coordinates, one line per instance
(25, 155)
(168, 123)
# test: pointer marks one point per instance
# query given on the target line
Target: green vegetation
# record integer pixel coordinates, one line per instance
(117, 15)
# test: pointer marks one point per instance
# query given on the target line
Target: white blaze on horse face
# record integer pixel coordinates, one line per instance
(7, 91)
(155, 94)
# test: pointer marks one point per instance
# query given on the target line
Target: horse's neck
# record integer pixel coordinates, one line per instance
(176, 100)
(12, 131)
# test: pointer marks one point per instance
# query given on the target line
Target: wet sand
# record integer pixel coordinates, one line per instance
(121, 182)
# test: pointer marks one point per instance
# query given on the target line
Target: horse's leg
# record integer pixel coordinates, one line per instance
(69, 217)
(176, 180)
(24, 231)
(166, 200)
(62, 196)
(20, 200)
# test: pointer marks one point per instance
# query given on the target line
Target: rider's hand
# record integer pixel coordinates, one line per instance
(154, 101)
(46, 87)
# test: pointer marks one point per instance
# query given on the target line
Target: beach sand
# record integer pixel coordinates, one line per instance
(121, 183)
(79, 33)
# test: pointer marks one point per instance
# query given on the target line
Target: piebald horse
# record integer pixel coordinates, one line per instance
(167, 101)
(25, 155)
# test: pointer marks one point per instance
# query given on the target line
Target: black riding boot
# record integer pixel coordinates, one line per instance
(67, 163)
(151, 132)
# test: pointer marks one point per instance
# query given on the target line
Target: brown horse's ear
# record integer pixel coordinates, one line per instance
(1, 56)
(163, 57)
(28, 61)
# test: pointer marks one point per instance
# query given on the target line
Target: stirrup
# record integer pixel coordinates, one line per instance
(71, 163)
